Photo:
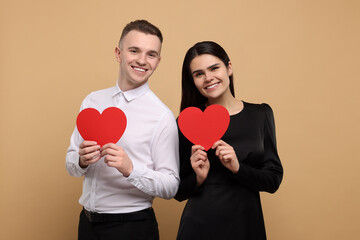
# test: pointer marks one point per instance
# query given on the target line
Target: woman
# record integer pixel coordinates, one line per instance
(222, 185)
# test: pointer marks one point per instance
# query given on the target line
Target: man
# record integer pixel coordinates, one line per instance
(122, 179)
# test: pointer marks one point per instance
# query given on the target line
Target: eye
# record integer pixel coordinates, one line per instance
(133, 51)
(153, 54)
(198, 74)
(214, 68)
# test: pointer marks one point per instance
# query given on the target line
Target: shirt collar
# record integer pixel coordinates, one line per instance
(133, 93)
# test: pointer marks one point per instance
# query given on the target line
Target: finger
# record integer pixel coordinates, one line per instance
(85, 162)
(93, 160)
(216, 144)
(111, 145)
(111, 164)
(115, 158)
(106, 146)
(108, 162)
(87, 144)
(92, 155)
(199, 158)
(87, 150)
(198, 164)
(194, 148)
(221, 154)
(199, 151)
(217, 151)
(221, 148)
(199, 155)
(109, 151)
(228, 157)
(226, 151)
(219, 143)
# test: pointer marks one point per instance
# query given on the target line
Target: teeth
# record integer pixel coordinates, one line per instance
(139, 69)
(211, 86)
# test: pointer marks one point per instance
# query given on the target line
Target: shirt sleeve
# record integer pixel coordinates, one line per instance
(72, 154)
(163, 180)
(269, 176)
(188, 182)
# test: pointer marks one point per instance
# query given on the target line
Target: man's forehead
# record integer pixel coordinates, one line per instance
(141, 40)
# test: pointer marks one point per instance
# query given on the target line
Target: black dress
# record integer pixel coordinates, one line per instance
(227, 206)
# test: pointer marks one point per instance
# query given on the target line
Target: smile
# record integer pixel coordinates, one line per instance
(212, 86)
(139, 69)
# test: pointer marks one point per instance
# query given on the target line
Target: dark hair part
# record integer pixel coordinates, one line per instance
(190, 94)
(141, 26)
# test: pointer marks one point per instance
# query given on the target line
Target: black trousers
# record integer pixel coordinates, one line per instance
(140, 225)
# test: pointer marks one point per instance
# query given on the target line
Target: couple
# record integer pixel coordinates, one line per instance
(153, 159)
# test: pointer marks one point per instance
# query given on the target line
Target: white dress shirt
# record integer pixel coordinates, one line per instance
(151, 142)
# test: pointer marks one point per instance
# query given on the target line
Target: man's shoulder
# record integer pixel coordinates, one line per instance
(99, 99)
(156, 102)
(107, 92)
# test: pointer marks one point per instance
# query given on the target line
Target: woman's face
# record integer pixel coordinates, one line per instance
(211, 76)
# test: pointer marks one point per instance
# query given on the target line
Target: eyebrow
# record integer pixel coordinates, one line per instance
(196, 71)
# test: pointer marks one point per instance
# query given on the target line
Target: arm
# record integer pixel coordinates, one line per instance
(269, 175)
(163, 180)
(80, 153)
(72, 154)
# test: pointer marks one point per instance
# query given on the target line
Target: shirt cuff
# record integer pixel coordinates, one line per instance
(78, 168)
(137, 172)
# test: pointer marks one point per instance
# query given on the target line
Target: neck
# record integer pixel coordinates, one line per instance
(127, 85)
(124, 87)
(228, 101)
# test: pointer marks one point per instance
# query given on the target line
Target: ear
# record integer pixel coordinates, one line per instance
(159, 60)
(229, 69)
(117, 54)
(157, 63)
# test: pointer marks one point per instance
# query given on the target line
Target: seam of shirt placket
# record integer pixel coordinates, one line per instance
(93, 186)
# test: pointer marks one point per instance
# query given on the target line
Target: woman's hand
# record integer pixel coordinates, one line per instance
(227, 155)
(200, 163)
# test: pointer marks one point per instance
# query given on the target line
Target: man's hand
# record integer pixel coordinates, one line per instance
(116, 157)
(89, 153)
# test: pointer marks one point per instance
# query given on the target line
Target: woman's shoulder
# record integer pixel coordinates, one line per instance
(262, 110)
(257, 106)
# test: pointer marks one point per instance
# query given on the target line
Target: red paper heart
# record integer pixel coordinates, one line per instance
(107, 127)
(204, 128)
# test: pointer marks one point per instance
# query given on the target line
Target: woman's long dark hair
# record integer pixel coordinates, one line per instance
(190, 94)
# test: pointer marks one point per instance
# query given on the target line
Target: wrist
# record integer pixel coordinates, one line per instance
(81, 164)
(199, 180)
(236, 169)
(128, 172)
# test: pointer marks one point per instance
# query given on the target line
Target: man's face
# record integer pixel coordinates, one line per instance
(138, 55)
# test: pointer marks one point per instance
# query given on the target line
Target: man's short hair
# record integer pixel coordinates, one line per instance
(141, 26)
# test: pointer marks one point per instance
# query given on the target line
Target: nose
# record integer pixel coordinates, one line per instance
(141, 59)
(208, 77)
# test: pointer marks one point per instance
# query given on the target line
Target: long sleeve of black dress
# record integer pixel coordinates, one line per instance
(266, 173)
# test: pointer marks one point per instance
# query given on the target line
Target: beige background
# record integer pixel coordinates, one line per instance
(301, 57)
